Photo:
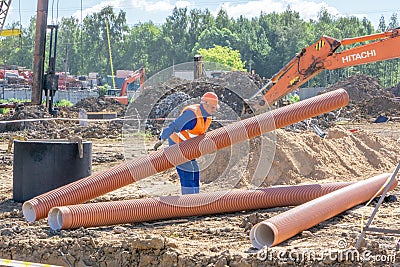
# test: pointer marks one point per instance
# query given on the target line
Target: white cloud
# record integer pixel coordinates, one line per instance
(135, 5)
(183, 4)
(97, 8)
(307, 9)
(156, 10)
(158, 6)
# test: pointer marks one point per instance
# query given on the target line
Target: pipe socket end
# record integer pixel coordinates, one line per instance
(56, 219)
(29, 211)
(262, 234)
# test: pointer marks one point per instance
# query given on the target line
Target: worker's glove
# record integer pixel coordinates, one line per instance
(158, 144)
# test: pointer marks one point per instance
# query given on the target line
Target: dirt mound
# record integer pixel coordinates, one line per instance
(165, 99)
(100, 104)
(301, 156)
(360, 87)
(341, 154)
(395, 90)
(380, 105)
(368, 99)
(36, 123)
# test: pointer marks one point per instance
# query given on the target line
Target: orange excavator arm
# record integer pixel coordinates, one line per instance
(322, 55)
(139, 74)
(123, 95)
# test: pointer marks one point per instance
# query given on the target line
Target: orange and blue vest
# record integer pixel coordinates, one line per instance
(201, 126)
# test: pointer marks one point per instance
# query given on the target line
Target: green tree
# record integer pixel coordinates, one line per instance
(382, 24)
(252, 43)
(223, 21)
(145, 46)
(368, 26)
(94, 46)
(223, 55)
(392, 66)
(69, 58)
(394, 22)
(214, 36)
(174, 31)
(198, 22)
(16, 50)
(265, 43)
(287, 34)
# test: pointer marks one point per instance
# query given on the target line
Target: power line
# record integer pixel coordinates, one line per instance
(196, 4)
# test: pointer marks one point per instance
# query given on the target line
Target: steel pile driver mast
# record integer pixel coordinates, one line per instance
(38, 76)
(40, 81)
(323, 55)
(4, 7)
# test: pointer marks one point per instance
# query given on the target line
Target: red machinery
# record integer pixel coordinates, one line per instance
(138, 75)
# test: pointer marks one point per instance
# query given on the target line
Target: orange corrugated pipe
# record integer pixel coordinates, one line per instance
(134, 170)
(287, 224)
(139, 210)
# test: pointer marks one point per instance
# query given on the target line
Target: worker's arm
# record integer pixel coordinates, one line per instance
(186, 121)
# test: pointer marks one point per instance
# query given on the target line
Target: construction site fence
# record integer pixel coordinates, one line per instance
(77, 94)
(73, 95)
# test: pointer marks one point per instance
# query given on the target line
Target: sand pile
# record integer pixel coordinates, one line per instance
(299, 157)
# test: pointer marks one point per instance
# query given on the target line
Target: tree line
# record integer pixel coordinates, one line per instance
(265, 43)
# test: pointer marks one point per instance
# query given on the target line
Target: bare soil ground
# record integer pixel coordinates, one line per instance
(221, 240)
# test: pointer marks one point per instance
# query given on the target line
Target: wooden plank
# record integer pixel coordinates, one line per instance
(382, 230)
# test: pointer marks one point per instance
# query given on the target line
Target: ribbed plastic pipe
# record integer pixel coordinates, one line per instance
(134, 170)
(139, 210)
(287, 224)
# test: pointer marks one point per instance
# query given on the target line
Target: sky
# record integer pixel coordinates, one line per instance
(157, 10)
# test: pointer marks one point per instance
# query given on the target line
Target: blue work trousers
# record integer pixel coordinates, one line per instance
(189, 176)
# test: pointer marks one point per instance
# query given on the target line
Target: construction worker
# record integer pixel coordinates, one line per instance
(194, 120)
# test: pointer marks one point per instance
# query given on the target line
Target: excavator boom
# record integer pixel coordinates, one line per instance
(383, 49)
(138, 75)
(323, 55)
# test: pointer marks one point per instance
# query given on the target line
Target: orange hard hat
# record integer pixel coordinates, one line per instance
(211, 98)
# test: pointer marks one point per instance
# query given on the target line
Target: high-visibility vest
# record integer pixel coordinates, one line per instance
(200, 127)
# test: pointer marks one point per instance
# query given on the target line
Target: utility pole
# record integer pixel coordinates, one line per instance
(198, 66)
(66, 59)
(39, 52)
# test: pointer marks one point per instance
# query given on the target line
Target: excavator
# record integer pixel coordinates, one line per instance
(138, 75)
(324, 55)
